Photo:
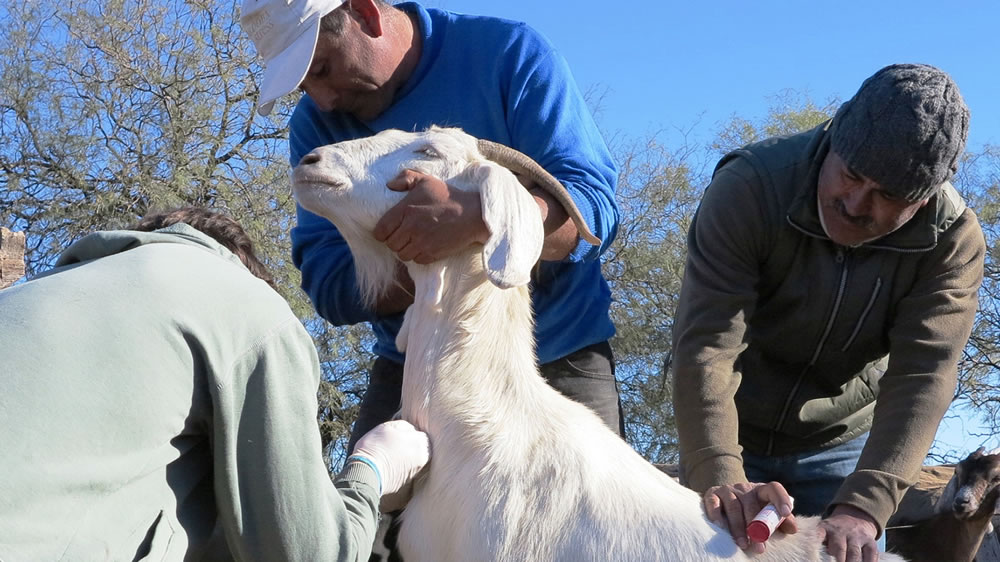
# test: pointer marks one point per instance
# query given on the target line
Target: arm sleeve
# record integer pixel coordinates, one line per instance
(549, 121)
(319, 251)
(929, 332)
(275, 498)
(717, 297)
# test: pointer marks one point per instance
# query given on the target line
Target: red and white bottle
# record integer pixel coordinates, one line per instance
(761, 527)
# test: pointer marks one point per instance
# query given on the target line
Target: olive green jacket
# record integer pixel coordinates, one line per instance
(159, 403)
(784, 339)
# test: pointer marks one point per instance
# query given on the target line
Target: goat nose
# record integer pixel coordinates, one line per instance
(310, 158)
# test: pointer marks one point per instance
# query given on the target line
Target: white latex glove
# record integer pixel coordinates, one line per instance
(399, 451)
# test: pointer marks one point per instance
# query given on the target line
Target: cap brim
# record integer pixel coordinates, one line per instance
(285, 72)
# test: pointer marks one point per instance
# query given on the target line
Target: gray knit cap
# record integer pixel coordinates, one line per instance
(905, 129)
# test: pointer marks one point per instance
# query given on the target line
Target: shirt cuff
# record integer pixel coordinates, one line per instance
(363, 471)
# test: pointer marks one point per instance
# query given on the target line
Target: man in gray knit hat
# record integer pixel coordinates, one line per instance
(827, 269)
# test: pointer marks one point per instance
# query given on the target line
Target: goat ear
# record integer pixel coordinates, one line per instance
(515, 224)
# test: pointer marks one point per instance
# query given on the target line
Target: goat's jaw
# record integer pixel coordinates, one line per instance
(314, 192)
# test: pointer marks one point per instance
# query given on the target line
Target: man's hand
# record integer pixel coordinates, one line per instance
(433, 221)
(849, 534)
(733, 506)
(399, 451)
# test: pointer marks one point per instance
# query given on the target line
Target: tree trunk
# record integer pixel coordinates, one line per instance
(11, 257)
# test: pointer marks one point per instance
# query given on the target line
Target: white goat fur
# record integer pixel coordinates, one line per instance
(519, 472)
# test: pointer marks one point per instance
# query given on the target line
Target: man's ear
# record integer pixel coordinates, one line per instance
(368, 15)
(514, 221)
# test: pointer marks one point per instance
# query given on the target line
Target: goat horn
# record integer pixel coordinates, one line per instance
(520, 163)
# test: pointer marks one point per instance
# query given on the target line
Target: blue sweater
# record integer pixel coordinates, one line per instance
(498, 80)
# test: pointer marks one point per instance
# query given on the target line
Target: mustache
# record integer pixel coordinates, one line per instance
(863, 221)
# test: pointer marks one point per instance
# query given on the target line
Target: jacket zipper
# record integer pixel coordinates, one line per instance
(864, 314)
(841, 259)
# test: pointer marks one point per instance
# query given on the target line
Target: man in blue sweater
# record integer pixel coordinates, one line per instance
(366, 66)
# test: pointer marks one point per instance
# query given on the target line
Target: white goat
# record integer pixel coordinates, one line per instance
(519, 472)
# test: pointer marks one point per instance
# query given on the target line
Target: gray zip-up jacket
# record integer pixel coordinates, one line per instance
(155, 390)
(784, 339)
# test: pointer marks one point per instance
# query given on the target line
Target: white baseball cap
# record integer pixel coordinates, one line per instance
(284, 33)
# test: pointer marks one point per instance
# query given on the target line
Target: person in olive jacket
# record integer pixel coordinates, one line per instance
(830, 288)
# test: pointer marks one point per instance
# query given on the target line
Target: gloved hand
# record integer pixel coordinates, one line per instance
(399, 451)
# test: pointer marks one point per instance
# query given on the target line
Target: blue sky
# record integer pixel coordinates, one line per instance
(664, 67)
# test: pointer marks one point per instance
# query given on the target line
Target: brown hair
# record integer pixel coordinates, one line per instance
(223, 229)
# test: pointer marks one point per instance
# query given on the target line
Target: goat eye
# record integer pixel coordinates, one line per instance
(428, 151)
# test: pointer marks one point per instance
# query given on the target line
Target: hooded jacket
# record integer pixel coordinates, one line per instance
(783, 339)
(155, 390)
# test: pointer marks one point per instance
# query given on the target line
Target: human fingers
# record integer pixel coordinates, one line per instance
(408, 252)
(789, 526)
(715, 511)
(854, 551)
(732, 509)
(424, 258)
(836, 546)
(415, 444)
(405, 180)
(774, 493)
(869, 552)
(389, 223)
(397, 449)
(713, 507)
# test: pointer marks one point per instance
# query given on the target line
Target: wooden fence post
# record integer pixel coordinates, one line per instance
(11, 257)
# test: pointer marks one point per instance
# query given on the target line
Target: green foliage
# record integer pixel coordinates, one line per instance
(979, 372)
(790, 112)
(658, 193)
(111, 109)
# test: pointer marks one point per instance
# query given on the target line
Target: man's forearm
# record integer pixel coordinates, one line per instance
(560, 232)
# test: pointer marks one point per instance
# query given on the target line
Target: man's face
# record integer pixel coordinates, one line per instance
(348, 74)
(854, 208)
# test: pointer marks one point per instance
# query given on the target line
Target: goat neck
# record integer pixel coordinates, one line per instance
(467, 342)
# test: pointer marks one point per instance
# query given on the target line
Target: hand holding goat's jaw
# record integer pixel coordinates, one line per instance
(433, 221)
(734, 506)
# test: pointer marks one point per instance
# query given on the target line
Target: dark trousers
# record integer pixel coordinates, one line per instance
(587, 376)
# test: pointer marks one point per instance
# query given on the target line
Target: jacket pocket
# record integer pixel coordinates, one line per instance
(864, 314)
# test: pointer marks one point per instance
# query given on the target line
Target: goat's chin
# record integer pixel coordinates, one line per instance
(309, 197)
(377, 272)
(965, 513)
